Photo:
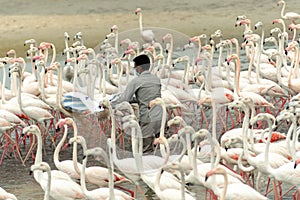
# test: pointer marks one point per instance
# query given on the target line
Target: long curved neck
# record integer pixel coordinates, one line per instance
(186, 72)
(141, 22)
(199, 48)
(157, 183)
(53, 53)
(38, 157)
(75, 75)
(163, 120)
(74, 156)
(278, 67)
(170, 53)
(47, 191)
(294, 139)
(220, 60)
(245, 136)
(237, 77)
(110, 177)
(60, 144)
(117, 42)
(162, 127)
(296, 67)
(224, 191)
(267, 164)
(194, 163)
(251, 62)
(282, 9)
(19, 92)
(82, 177)
(3, 101)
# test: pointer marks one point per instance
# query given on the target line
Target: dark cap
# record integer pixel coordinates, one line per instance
(141, 60)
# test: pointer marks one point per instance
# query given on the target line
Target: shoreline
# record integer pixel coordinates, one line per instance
(187, 17)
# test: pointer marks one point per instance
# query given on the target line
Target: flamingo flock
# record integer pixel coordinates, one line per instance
(230, 115)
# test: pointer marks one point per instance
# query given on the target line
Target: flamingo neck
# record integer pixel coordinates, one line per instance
(194, 163)
(3, 101)
(47, 191)
(141, 23)
(75, 75)
(82, 177)
(267, 164)
(296, 66)
(116, 42)
(53, 53)
(19, 92)
(224, 191)
(38, 157)
(282, 10)
(60, 144)
(237, 77)
(170, 53)
(245, 127)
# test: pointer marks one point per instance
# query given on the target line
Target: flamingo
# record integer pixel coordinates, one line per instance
(234, 191)
(38, 114)
(257, 99)
(6, 195)
(259, 160)
(197, 175)
(34, 130)
(147, 35)
(96, 175)
(288, 15)
(170, 193)
(59, 189)
(66, 166)
(68, 69)
(287, 172)
(100, 193)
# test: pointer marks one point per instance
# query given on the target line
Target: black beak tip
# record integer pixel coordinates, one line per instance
(206, 177)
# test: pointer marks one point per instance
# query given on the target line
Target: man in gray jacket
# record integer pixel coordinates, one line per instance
(142, 89)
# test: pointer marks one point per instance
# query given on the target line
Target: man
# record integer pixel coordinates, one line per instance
(142, 89)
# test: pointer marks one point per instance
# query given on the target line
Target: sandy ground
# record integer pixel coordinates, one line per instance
(47, 20)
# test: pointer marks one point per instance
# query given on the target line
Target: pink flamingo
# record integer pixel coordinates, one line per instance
(234, 191)
(257, 99)
(288, 15)
(147, 35)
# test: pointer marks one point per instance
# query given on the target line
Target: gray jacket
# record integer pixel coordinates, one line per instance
(142, 90)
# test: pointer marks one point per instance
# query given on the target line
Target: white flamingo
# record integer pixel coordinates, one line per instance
(234, 191)
(147, 35)
(59, 189)
(100, 193)
(288, 15)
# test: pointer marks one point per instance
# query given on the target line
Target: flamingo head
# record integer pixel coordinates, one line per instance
(30, 129)
(245, 21)
(173, 138)
(175, 120)
(297, 161)
(41, 166)
(280, 2)
(276, 21)
(138, 10)
(30, 41)
(60, 123)
(114, 28)
(200, 134)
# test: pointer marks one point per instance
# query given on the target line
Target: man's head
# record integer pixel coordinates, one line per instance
(141, 63)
